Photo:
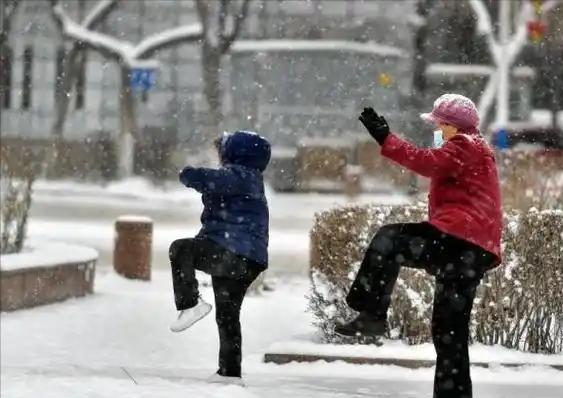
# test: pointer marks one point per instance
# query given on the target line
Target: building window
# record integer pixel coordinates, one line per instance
(60, 72)
(81, 80)
(27, 77)
(6, 76)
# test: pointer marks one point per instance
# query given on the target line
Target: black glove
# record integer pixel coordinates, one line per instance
(376, 125)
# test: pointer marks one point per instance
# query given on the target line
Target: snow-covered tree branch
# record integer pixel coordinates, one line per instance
(227, 38)
(504, 49)
(166, 39)
(125, 51)
(98, 13)
(107, 45)
(520, 37)
(488, 97)
(128, 55)
(484, 23)
(485, 26)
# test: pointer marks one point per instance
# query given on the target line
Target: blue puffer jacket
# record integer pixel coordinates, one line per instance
(235, 214)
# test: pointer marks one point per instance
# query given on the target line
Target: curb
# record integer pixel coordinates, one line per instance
(283, 359)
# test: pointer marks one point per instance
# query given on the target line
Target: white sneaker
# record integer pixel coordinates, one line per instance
(187, 318)
(216, 378)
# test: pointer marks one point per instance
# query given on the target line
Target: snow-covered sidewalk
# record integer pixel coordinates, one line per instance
(117, 343)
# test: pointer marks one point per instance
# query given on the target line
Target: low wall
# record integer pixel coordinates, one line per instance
(45, 274)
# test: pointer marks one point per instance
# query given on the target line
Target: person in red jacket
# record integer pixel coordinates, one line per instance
(457, 245)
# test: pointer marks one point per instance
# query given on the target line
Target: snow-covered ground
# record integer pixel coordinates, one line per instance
(117, 343)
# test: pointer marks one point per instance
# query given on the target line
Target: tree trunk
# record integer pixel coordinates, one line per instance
(128, 128)
(64, 95)
(72, 63)
(211, 66)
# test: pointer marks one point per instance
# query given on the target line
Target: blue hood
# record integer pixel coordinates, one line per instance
(245, 148)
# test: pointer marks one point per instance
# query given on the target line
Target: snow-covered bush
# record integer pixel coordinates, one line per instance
(338, 241)
(532, 178)
(15, 199)
(519, 305)
(18, 169)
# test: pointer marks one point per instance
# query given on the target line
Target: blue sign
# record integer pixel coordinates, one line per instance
(142, 78)
(500, 139)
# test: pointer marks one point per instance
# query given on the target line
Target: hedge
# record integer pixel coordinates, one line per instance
(519, 304)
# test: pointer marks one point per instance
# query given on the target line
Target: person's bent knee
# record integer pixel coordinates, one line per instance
(175, 248)
(383, 241)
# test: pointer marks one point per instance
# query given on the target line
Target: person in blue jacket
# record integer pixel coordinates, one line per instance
(232, 245)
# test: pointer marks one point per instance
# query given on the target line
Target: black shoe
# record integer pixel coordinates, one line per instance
(364, 325)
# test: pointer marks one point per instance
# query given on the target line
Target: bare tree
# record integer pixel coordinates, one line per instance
(222, 23)
(72, 63)
(504, 48)
(72, 66)
(128, 56)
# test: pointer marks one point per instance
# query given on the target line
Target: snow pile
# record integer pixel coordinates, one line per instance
(47, 254)
(131, 218)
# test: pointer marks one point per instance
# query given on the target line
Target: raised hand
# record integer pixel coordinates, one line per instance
(376, 125)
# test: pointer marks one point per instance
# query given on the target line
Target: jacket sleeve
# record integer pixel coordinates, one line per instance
(220, 181)
(428, 162)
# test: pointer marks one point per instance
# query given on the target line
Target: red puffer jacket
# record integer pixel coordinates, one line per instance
(464, 199)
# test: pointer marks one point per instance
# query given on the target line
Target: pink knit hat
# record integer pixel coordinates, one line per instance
(454, 109)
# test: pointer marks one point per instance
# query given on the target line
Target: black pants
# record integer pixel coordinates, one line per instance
(458, 267)
(231, 276)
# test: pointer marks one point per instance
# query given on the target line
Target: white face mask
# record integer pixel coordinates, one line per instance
(438, 139)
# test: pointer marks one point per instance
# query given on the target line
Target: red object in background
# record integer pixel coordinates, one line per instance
(464, 199)
(536, 30)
